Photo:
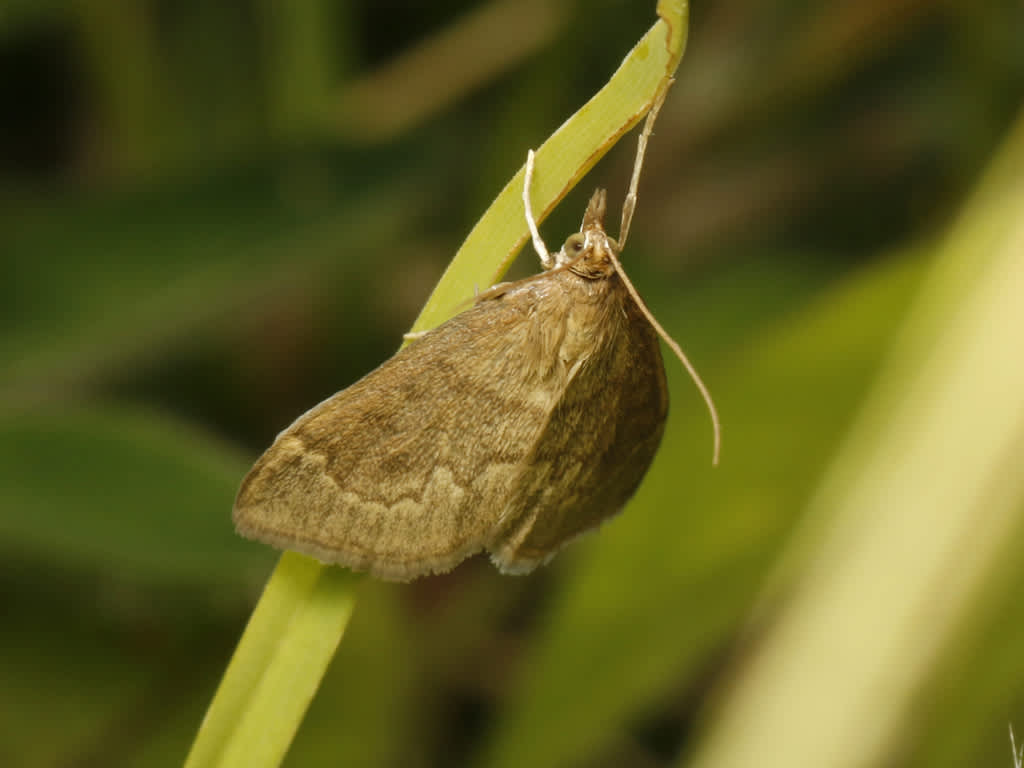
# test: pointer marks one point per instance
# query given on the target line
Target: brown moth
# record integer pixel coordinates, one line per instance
(517, 425)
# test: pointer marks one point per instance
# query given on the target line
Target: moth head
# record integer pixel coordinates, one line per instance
(586, 253)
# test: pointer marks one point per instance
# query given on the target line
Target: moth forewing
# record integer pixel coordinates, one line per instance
(599, 441)
(513, 427)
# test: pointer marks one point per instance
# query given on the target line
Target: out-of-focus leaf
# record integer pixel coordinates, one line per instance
(431, 76)
(18, 16)
(970, 706)
(59, 674)
(93, 286)
(125, 491)
(909, 539)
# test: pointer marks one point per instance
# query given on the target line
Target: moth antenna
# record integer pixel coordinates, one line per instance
(701, 387)
(538, 242)
(630, 203)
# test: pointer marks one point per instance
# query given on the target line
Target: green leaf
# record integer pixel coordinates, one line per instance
(562, 161)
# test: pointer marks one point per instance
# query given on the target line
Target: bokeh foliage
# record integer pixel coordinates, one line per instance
(212, 217)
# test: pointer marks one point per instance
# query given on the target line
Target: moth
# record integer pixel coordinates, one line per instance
(512, 428)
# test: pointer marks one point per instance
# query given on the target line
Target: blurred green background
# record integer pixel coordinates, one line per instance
(212, 216)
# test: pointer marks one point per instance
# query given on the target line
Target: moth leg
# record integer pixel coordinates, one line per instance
(413, 335)
(496, 290)
(546, 259)
(630, 203)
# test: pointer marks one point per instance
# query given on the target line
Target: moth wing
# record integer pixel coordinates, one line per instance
(595, 449)
(408, 471)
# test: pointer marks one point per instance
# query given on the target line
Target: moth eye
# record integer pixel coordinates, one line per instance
(574, 244)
